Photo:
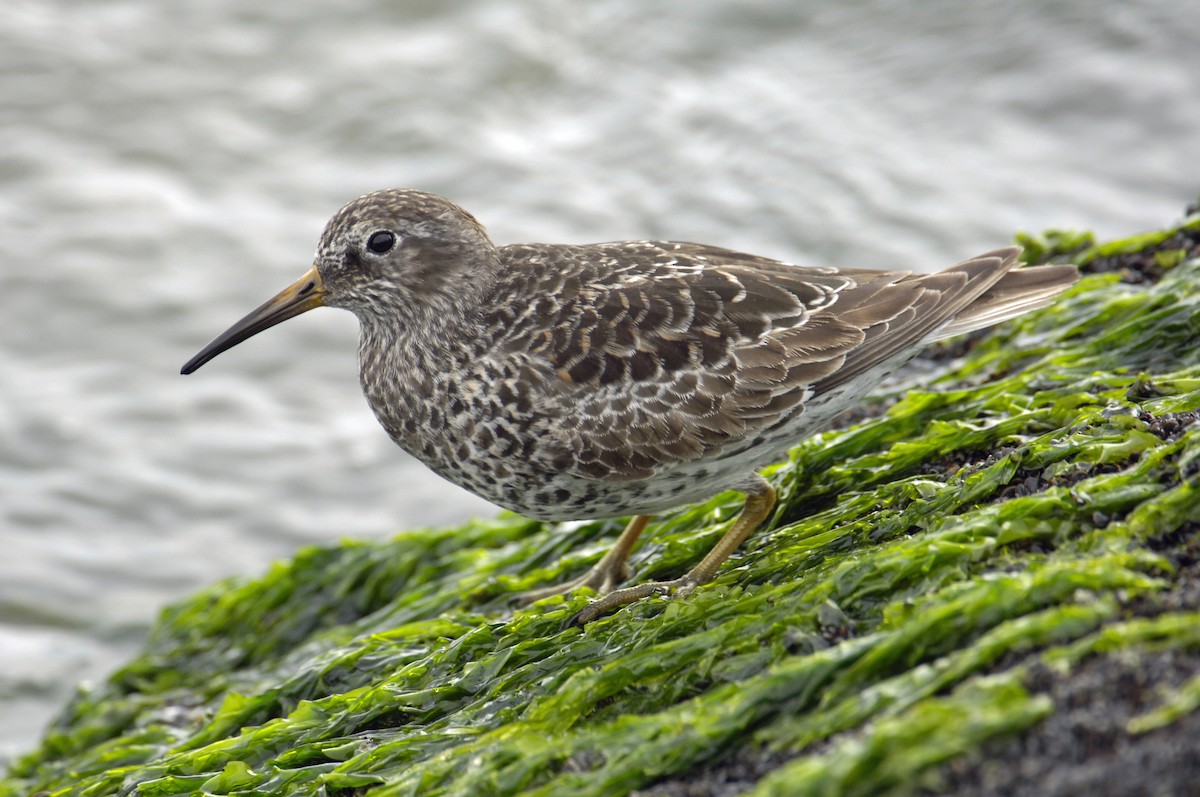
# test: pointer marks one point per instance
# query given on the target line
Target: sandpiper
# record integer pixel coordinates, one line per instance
(607, 380)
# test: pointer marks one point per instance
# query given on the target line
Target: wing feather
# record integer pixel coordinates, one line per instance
(662, 352)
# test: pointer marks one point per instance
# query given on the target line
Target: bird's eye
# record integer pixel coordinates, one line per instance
(381, 242)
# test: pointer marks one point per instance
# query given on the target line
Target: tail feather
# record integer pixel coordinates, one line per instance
(1018, 291)
(913, 309)
(916, 309)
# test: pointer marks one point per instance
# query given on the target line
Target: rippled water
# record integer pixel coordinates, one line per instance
(166, 167)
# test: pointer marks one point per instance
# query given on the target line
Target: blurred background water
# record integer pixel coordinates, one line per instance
(165, 167)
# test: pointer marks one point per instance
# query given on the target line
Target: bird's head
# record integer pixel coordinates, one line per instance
(391, 256)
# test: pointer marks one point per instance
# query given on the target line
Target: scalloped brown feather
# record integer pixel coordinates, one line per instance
(714, 345)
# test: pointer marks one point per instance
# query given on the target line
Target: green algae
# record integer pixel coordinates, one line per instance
(1007, 511)
(1176, 705)
(893, 752)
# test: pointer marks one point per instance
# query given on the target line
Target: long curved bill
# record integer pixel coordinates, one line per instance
(301, 296)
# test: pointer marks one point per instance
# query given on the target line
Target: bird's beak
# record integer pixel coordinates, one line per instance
(301, 296)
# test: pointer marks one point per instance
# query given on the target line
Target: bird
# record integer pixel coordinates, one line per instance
(622, 379)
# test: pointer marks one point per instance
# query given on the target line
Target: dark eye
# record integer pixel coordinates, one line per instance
(381, 242)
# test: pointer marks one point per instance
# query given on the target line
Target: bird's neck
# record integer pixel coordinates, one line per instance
(400, 363)
(415, 339)
(405, 349)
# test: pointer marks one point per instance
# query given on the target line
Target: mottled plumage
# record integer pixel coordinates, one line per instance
(569, 382)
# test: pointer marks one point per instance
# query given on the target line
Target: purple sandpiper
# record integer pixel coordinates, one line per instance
(569, 382)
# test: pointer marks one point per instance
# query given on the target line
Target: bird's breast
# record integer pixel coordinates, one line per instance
(465, 415)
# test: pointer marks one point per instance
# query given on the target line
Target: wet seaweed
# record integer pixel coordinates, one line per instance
(1030, 508)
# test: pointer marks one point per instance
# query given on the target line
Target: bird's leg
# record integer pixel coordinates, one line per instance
(760, 500)
(606, 574)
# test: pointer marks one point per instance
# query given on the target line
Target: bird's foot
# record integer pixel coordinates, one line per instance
(610, 571)
(602, 578)
(678, 588)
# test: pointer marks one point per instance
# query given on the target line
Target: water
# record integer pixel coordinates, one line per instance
(165, 167)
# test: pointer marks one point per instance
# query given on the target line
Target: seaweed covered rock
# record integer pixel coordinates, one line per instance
(988, 584)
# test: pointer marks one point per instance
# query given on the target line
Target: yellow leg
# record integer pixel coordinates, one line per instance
(606, 574)
(760, 500)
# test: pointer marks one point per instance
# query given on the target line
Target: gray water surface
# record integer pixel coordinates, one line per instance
(165, 167)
